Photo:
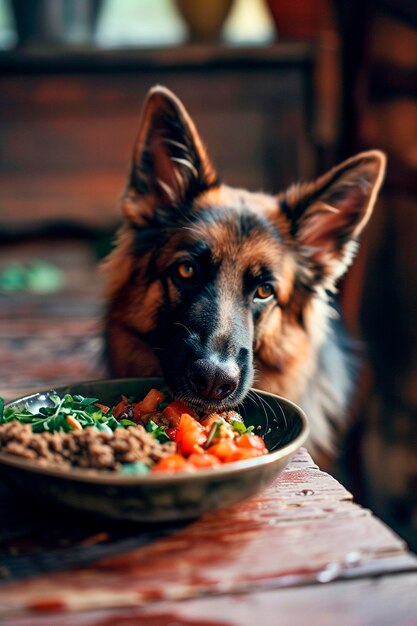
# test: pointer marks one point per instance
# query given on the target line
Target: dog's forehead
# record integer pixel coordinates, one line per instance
(234, 224)
(239, 199)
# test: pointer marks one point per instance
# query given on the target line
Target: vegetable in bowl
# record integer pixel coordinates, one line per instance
(156, 434)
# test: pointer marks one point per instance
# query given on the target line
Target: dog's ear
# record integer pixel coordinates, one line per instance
(170, 165)
(326, 217)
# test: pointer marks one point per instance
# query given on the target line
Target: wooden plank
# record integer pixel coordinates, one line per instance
(302, 529)
(387, 601)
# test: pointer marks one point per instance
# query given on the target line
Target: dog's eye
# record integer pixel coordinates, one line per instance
(264, 292)
(186, 270)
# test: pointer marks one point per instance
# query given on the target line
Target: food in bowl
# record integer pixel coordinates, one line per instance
(156, 434)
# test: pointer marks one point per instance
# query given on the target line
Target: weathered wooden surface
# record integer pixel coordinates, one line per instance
(303, 529)
(385, 601)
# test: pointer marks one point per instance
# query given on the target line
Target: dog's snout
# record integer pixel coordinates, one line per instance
(213, 381)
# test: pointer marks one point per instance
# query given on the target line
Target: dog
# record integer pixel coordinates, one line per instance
(218, 288)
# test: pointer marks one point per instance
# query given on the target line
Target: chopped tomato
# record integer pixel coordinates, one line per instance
(105, 409)
(137, 413)
(120, 406)
(186, 423)
(150, 402)
(191, 435)
(222, 449)
(241, 454)
(189, 444)
(203, 460)
(174, 410)
(172, 463)
(253, 442)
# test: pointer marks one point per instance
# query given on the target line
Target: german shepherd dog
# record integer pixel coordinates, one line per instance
(215, 287)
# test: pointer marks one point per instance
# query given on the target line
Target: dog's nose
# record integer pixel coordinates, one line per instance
(213, 381)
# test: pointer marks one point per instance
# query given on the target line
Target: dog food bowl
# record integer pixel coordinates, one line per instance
(160, 497)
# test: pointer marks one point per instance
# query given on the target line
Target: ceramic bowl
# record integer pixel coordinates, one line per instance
(160, 497)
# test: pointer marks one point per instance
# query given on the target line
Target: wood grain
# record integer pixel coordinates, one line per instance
(383, 602)
(302, 529)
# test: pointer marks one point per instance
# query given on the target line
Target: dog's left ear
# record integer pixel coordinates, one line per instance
(326, 217)
(170, 165)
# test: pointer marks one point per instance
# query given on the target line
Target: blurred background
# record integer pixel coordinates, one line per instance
(280, 90)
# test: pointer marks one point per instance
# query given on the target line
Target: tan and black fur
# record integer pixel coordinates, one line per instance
(257, 305)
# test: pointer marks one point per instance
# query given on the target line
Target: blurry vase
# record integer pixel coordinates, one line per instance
(55, 21)
(204, 18)
(299, 19)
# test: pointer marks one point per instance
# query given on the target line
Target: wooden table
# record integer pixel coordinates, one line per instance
(299, 552)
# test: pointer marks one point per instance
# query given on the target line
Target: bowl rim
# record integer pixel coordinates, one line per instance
(109, 477)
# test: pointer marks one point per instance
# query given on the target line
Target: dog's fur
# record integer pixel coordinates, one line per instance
(297, 243)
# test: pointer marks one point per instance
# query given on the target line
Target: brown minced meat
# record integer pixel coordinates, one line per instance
(88, 448)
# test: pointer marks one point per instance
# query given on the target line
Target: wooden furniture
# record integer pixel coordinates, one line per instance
(68, 123)
(299, 551)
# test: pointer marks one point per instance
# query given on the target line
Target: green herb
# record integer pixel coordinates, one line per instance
(127, 422)
(158, 432)
(1, 409)
(54, 418)
(240, 427)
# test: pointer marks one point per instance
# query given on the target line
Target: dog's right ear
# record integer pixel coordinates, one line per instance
(170, 165)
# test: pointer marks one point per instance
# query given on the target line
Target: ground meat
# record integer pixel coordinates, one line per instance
(88, 448)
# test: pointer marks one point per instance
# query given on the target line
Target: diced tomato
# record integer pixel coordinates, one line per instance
(250, 441)
(190, 444)
(191, 435)
(222, 449)
(187, 423)
(105, 409)
(137, 413)
(120, 406)
(203, 460)
(150, 402)
(241, 454)
(174, 410)
(172, 463)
